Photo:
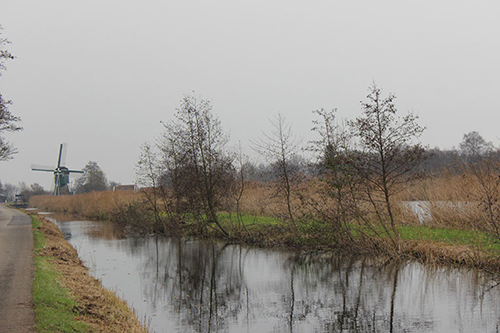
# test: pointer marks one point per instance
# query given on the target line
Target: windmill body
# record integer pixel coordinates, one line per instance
(61, 173)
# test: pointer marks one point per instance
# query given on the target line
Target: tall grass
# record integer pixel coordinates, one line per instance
(259, 200)
(95, 205)
(453, 200)
(469, 200)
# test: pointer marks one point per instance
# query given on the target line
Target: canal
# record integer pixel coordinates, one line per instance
(199, 286)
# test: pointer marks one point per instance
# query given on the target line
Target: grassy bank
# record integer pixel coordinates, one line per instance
(427, 244)
(66, 298)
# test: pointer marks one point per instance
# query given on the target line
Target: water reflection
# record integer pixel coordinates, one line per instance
(194, 286)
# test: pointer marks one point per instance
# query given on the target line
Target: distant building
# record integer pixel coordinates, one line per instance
(125, 188)
(20, 201)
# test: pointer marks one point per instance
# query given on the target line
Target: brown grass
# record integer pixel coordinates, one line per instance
(435, 253)
(456, 201)
(95, 205)
(258, 199)
(262, 199)
(98, 307)
(453, 201)
(445, 194)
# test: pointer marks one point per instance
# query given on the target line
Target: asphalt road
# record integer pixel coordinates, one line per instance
(16, 272)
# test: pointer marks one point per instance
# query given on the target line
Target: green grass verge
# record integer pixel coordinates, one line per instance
(54, 309)
(313, 233)
(38, 238)
(248, 220)
(452, 236)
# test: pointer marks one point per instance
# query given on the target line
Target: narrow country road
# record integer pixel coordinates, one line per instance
(16, 272)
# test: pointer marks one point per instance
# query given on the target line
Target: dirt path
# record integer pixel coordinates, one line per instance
(16, 271)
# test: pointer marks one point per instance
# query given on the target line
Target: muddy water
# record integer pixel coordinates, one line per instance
(195, 286)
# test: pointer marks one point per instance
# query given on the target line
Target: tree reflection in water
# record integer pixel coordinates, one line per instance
(201, 283)
(197, 286)
(210, 287)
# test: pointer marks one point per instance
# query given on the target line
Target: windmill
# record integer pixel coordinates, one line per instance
(61, 173)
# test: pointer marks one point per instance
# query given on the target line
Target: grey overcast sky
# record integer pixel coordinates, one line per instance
(100, 75)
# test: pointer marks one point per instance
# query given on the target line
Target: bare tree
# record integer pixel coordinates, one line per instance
(474, 147)
(7, 124)
(37, 189)
(150, 173)
(7, 120)
(240, 174)
(388, 154)
(149, 169)
(25, 190)
(199, 165)
(4, 54)
(279, 148)
(485, 190)
(340, 180)
(10, 191)
(94, 179)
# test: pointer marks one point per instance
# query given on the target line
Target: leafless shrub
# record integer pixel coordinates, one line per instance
(337, 204)
(280, 148)
(158, 198)
(198, 166)
(485, 192)
(387, 154)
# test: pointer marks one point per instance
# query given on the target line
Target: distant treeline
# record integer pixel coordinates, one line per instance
(437, 161)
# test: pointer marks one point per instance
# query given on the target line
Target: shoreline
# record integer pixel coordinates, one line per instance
(98, 308)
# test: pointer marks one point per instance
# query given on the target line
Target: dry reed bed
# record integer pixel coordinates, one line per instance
(95, 205)
(453, 201)
(436, 253)
(258, 199)
(98, 307)
(457, 201)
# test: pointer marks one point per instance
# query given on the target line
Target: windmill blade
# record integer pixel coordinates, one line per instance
(63, 154)
(59, 158)
(47, 170)
(74, 171)
(37, 167)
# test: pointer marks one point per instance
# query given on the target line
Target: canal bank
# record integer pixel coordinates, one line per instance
(66, 297)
